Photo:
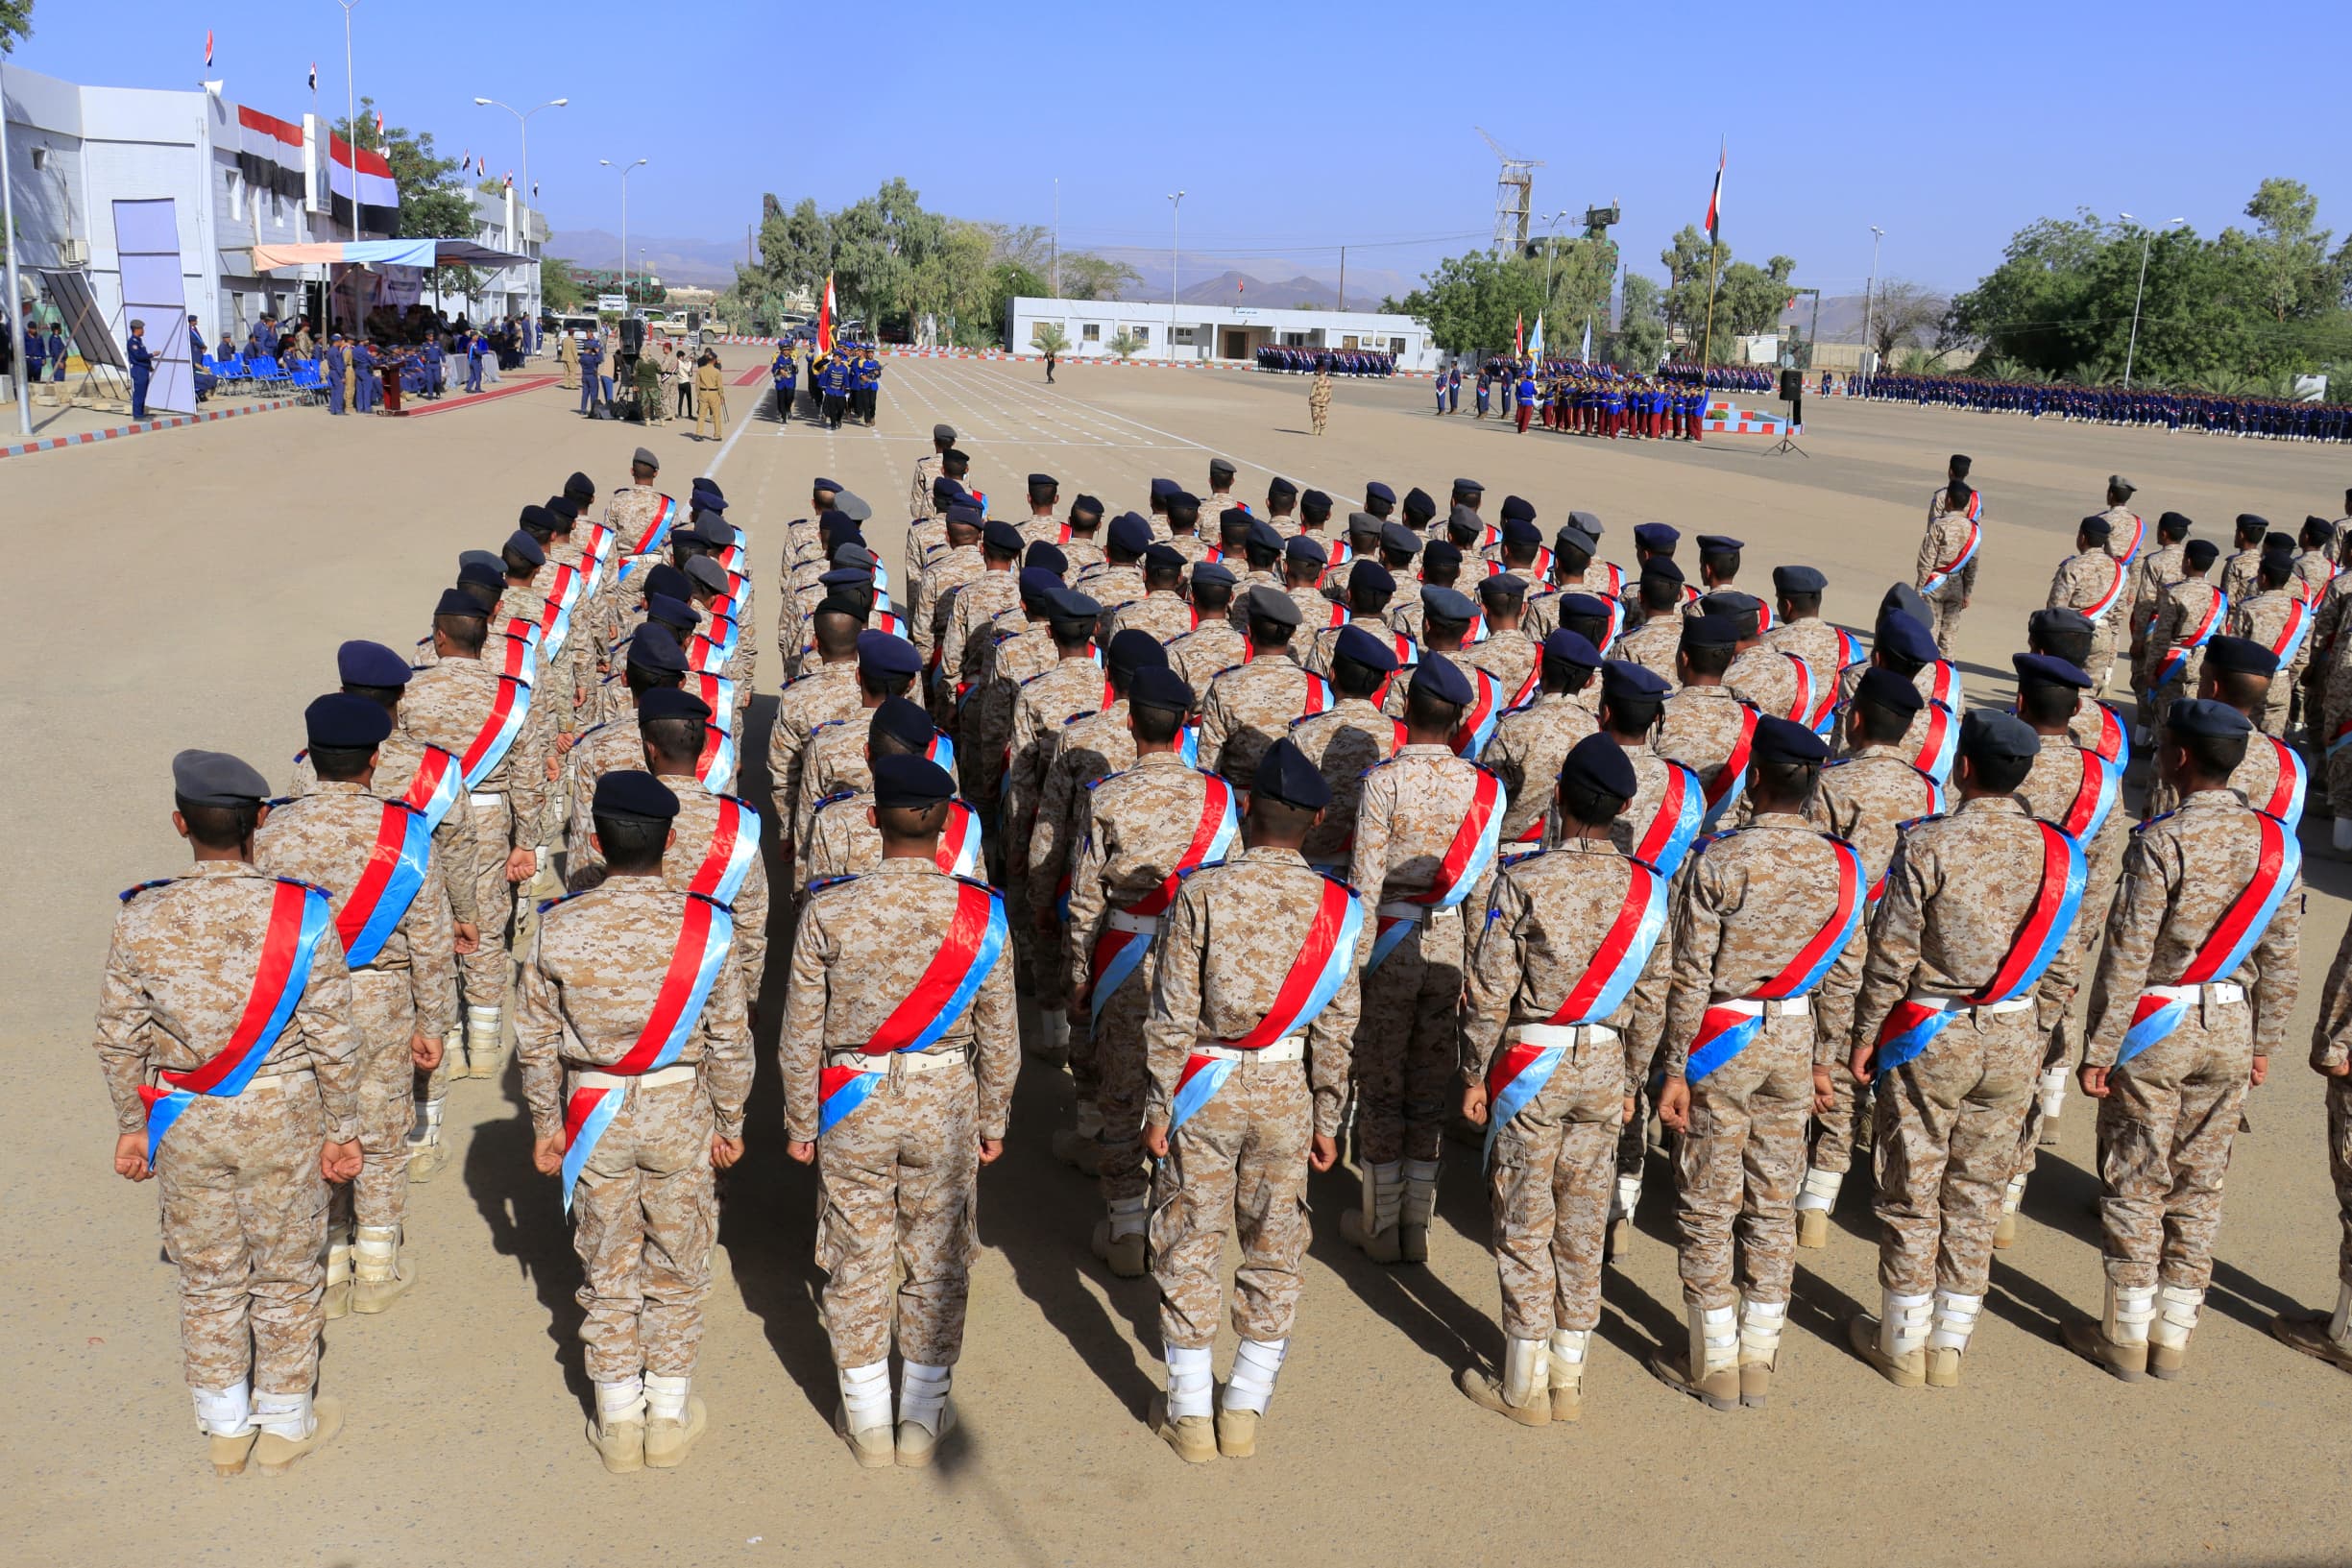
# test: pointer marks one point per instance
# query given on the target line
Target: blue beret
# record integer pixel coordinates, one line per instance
(527, 549)
(672, 612)
(1470, 487)
(1303, 547)
(1086, 506)
(1371, 577)
(1181, 500)
(1600, 764)
(948, 493)
(2278, 542)
(667, 579)
(1378, 491)
(1709, 543)
(847, 577)
(1522, 531)
(2041, 669)
(1655, 536)
(672, 702)
(1418, 503)
(1359, 646)
(1278, 487)
(1037, 584)
(848, 602)
(1163, 557)
(1799, 580)
(565, 510)
(1212, 571)
(1987, 735)
(1156, 686)
(1518, 509)
(910, 782)
(1887, 689)
(1730, 601)
(1785, 740)
(880, 653)
(1262, 538)
(1709, 632)
(1314, 503)
(1562, 647)
(538, 517)
(1903, 635)
(1042, 481)
(816, 485)
(341, 720)
(1441, 553)
(1448, 604)
(2199, 553)
(850, 553)
(1129, 534)
(370, 663)
(1622, 679)
(653, 647)
(1069, 604)
(712, 529)
(1396, 537)
(1662, 567)
(2239, 656)
(2194, 716)
(704, 482)
(1436, 675)
(456, 601)
(1048, 555)
(903, 721)
(1132, 649)
(1285, 774)
(712, 502)
(1162, 488)
(214, 778)
(2095, 526)
(628, 792)
(1502, 585)
(1002, 536)
(1586, 606)
(704, 573)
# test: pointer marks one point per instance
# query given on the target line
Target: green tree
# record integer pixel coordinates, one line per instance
(1086, 275)
(878, 243)
(1475, 303)
(1692, 268)
(1748, 298)
(15, 22)
(434, 202)
(795, 247)
(2289, 250)
(1639, 341)
(558, 286)
(1050, 339)
(1125, 345)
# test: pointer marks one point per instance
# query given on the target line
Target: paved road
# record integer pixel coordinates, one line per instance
(196, 585)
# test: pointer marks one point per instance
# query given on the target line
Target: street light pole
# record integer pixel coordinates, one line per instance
(350, 132)
(1175, 207)
(523, 120)
(1870, 298)
(626, 169)
(2147, 238)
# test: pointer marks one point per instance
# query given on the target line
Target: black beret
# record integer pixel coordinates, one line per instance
(2239, 656)
(1086, 506)
(667, 579)
(903, 721)
(1359, 646)
(1181, 499)
(653, 647)
(856, 605)
(1130, 534)
(705, 485)
(1133, 648)
(880, 653)
(1314, 503)
(2041, 669)
(627, 792)
(581, 484)
(1887, 689)
(1305, 547)
(712, 502)
(1470, 487)
(2095, 526)
(2199, 553)
(1622, 679)
(1518, 509)
(672, 612)
(964, 515)
(1038, 585)
(1661, 566)
(1068, 604)
(1562, 646)
(1264, 538)
(348, 722)
(565, 510)
(2194, 716)
(370, 663)
(672, 702)
(1371, 577)
(1989, 736)
(1731, 601)
(1907, 637)
(527, 549)
(456, 601)
(1049, 556)
(1041, 481)
(1212, 571)
(2174, 521)
(1158, 687)
(911, 783)
(1280, 488)
(821, 486)
(1585, 607)
(1163, 557)
(1002, 536)
(1502, 588)
(1441, 552)
(1285, 774)
(537, 517)
(1600, 764)
(1436, 675)
(1781, 739)
(1522, 531)
(1795, 580)
(1419, 504)
(1709, 632)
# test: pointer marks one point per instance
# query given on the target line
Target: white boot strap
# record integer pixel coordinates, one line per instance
(665, 1397)
(2339, 1326)
(922, 1395)
(1955, 1319)
(1820, 1190)
(624, 1400)
(1256, 1364)
(1190, 1379)
(1527, 1371)
(865, 1390)
(287, 1415)
(2013, 1196)
(1628, 1197)
(224, 1413)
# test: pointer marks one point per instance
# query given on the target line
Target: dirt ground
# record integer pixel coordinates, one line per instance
(236, 556)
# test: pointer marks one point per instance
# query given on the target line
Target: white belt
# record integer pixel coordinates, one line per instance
(912, 1061)
(1567, 1036)
(260, 1081)
(1961, 1004)
(1760, 1007)
(1403, 909)
(2215, 992)
(661, 1078)
(1291, 1048)
(1119, 920)
(487, 798)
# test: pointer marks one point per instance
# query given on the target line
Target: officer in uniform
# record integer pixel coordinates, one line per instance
(1554, 1047)
(2094, 582)
(1655, 640)
(2190, 612)
(1214, 643)
(1705, 725)
(1253, 1000)
(1972, 938)
(242, 1133)
(2151, 574)
(1318, 398)
(920, 505)
(1248, 706)
(2194, 990)
(1949, 559)
(2328, 1335)
(2278, 616)
(899, 1110)
(1767, 952)
(709, 396)
(1533, 739)
(143, 367)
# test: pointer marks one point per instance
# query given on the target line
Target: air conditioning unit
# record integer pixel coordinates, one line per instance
(73, 253)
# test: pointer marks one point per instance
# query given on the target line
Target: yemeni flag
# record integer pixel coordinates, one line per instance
(1714, 200)
(824, 319)
(1519, 336)
(207, 48)
(314, 76)
(361, 173)
(269, 153)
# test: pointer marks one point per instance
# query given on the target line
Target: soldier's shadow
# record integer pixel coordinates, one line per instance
(524, 1214)
(1411, 1297)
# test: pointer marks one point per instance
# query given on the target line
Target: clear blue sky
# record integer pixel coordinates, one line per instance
(1295, 128)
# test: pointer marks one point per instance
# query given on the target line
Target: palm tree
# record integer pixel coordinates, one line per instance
(1050, 340)
(1125, 345)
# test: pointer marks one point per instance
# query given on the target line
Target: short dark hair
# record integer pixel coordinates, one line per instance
(905, 823)
(1905, 667)
(836, 631)
(1882, 725)
(1571, 559)
(1070, 632)
(1156, 725)
(1590, 806)
(2045, 703)
(1425, 710)
(676, 737)
(875, 684)
(218, 826)
(2074, 647)
(1369, 601)
(1724, 563)
(631, 843)
(466, 632)
(1353, 680)
(1709, 658)
(339, 764)
(1212, 596)
(1659, 593)
(1162, 576)
(1787, 780)
(1270, 634)
(2003, 774)
(1810, 603)
(2215, 757)
(1630, 716)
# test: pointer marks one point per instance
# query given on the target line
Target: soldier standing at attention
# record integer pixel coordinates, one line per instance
(2328, 1335)
(2153, 573)
(1253, 1000)
(2125, 531)
(899, 1051)
(1657, 636)
(1319, 398)
(567, 355)
(2190, 612)
(1705, 727)
(2092, 582)
(395, 928)
(1553, 1051)
(2251, 535)
(1427, 826)
(1213, 644)
(2195, 987)
(1533, 739)
(2279, 618)
(226, 1035)
(709, 396)
(1767, 952)
(636, 1062)
(1974, 936)
(1946, 573)
(1248, 706)
(920, 505)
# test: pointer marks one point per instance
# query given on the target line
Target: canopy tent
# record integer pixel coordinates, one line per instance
(384, 252)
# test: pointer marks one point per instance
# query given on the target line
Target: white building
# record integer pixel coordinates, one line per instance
(1222, 332)
(503, 223)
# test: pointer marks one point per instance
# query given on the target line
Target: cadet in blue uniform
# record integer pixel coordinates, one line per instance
(338, 373)
(869, 384)
(786, 373)
(832, 384)
(143, 367)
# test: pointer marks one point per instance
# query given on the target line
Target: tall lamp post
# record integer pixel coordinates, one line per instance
(523, 121)
(1870, 296)
(626, 169)
(1175, 207)
(2147, 238)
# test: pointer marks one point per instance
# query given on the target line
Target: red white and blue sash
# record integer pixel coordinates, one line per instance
(1914, 1023)
(943, 751)
(959, 842)
(1802, 707)
(2227, 946)
(2113, 742)
(387, 885)
(1319, 697)
(1118, 954)
(1727, 1028)
(1521, 1069)
(2094, 798)
(2290, 639)
(1732, 778)
(435, 788)
(1315, 978)
(704, 939)
(735, 848)
(722, 634)
(704, 656)
(299, 916)
(657, 528)
(519, 657)
(2177, 657)
(1939, 742)
(1479, 719)
(1680, 813)
(2285, 801)
(1848, 648)
(731, 559)
(555, 620)
(718, 694)
(509, 710)
(2096, 610)
(2139, 532)
(976, 937)
(596, 551)
(1467, 857)
(715, 768)
(1944, 685)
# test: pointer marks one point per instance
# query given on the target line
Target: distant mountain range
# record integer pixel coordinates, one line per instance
(1275, 282)
(697, 262)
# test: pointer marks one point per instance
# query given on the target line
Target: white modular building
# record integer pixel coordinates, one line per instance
(1228, 333)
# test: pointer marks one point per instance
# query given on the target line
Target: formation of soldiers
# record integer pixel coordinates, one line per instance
(1282, 838)
(1325, 361)
(845, 384)
(2269, 419)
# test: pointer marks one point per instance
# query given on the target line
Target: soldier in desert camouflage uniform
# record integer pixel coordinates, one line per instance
(898, 1111)
(2156, 570)
(243, 1132)
(1653, 623)
(1349, 741)
(2328, 1335)
(2094, 582)
(1318, 398)
(1163, 613)
(2277, 617)
(1533, 739)
(961, 613)
(920, 507)
(1949, 560)
(1799, 629)
(1214, 645)
(1251, 705)
(2194, 990)
(2190, 608)
(1253, 999)
(1705, 726)
(1552, 1052)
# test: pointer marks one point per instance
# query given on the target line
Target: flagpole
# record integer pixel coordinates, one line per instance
(1706, 347)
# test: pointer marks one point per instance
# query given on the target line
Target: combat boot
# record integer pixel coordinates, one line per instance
(1761, 1323)
(2324, 1335)
(1710, 1368)
(923, 1413)
(293, 1425)
(1895, 1342)
(1080, 1146)
(1621, 1207)
(227, 1417)
(485, 1042)
(1815, 1201)
(1057, 1051)
(1248, 1388)
(675, 1418)
(2118, 1340)
(426, 1153)
(863, 1419)
(2344, 833)
(338, 1300)
(384, 1273)
(1119, 1240)
(1566, 1370)
(2054, 1100)
(1374, 1227)
(616, 1431)
(1414, 1215)
(2012, 1199)
(1523, 1393)
(1181, 1416)
(2167, 1333)
(1955, 1320)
